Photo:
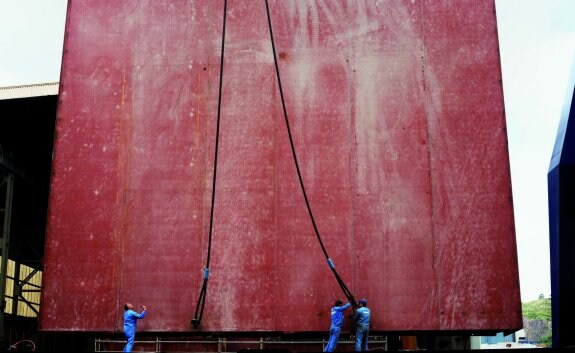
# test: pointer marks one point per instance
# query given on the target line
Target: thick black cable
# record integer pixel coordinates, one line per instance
(202, 298)
(344, 288)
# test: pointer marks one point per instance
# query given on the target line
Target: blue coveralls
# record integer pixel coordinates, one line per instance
(336, 324)
(130, 322)
(362, 331)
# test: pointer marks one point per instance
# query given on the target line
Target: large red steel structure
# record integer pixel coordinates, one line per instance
(396, 110)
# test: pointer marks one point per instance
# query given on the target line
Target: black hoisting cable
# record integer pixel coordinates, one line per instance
(344, 288)
(202, 298)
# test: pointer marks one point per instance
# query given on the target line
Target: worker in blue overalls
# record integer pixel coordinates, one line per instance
(336, 324)
(130, 322)
(361, 317)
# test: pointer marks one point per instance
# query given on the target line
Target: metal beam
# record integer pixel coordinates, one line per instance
(7, 164)
(6, 212)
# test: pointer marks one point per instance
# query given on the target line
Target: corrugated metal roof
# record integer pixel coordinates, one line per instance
(24, 91)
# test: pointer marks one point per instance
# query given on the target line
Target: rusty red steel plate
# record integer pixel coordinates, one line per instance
(396, 112)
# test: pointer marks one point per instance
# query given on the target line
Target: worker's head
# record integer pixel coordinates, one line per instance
(362, 302)
(338, 302)
(128, 306)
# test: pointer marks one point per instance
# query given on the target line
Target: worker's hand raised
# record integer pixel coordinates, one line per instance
(143, 306)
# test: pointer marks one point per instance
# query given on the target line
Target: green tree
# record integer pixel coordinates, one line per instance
(539, 309)
(545, 341)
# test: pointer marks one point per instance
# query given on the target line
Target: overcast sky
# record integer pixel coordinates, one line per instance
(537, 41)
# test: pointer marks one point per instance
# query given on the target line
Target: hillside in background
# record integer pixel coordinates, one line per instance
(537, 320)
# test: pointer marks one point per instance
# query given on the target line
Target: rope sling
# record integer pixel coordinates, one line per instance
(202, 298)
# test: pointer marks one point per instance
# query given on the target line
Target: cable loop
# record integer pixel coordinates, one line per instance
(202, 298)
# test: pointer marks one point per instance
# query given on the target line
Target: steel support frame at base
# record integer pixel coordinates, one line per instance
(221, 343)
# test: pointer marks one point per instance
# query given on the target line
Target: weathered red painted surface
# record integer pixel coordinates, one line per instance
(396, 110)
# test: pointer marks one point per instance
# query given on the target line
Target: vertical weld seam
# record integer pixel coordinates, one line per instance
(127, 153)
(276, 202)
(196, 143)
(117, 241)
(426, 93)
(118, 227)
(207, 127)
(276, 192)
(352, 154)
